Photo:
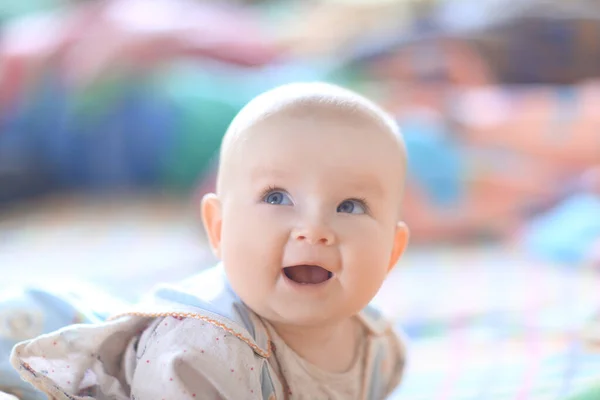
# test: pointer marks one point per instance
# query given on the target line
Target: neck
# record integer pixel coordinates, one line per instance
(310, 335)
(328, 346)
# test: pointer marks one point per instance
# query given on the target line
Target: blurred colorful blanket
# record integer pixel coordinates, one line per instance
(493, 325)
(492, 360)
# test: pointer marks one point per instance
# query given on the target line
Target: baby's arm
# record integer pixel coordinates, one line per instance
(193, 359)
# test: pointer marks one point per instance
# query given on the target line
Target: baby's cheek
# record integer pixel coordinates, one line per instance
(367, 238)
(367, 260)
(252, 246)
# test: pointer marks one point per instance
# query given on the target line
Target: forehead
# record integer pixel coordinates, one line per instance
(341, 148)
(343, 134)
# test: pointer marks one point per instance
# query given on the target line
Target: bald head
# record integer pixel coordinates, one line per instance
(310, 103)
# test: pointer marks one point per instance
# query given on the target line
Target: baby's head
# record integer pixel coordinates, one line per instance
(306, 218)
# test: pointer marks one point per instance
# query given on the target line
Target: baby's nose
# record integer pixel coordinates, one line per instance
(314, 234)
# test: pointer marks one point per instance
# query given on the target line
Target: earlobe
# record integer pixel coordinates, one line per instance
(211, 217)
(401, 238)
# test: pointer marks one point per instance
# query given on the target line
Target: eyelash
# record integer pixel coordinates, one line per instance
(272, 188)
(363, 202)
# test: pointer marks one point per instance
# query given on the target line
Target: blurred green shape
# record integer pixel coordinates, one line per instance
(10, 9)
(590, 393)
(207, 98)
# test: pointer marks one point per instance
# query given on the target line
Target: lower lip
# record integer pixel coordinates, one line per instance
(303, 287)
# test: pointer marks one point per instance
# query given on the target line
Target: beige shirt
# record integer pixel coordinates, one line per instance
(306, 381)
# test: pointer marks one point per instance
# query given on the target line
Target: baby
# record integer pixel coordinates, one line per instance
(306, 222)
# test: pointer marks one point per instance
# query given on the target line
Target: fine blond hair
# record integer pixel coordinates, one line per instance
(308, 101)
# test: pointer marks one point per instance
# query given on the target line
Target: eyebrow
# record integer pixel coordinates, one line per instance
(368, 185)
(365, 184)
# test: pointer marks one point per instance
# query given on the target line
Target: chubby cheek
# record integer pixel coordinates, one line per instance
(251, 254)
(366, 260)
(252, 240)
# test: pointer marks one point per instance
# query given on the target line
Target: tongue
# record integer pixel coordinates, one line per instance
(307, 274)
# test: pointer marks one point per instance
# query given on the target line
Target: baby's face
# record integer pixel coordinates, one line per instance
(309, 217)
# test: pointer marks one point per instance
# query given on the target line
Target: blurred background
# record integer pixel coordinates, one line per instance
(111, 115)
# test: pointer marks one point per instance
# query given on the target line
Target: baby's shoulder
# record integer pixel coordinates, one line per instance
(177, 335)
(189, 355)
(389, 352)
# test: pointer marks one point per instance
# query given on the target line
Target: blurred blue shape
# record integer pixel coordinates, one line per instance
(434, 159)
(121, 143)
(25, 124)
(566, 233)
(125, 146)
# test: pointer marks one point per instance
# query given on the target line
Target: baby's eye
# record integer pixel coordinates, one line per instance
(278, 198)
(352, 207)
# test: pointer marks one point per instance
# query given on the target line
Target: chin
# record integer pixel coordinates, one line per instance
(305, 321)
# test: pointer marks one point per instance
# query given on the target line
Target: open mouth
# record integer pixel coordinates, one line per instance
(307, 274)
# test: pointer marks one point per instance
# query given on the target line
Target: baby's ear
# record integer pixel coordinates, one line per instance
(211, 217)
(401, 237)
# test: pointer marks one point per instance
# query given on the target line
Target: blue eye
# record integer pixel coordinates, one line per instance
(352, 207)
(277, 198)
